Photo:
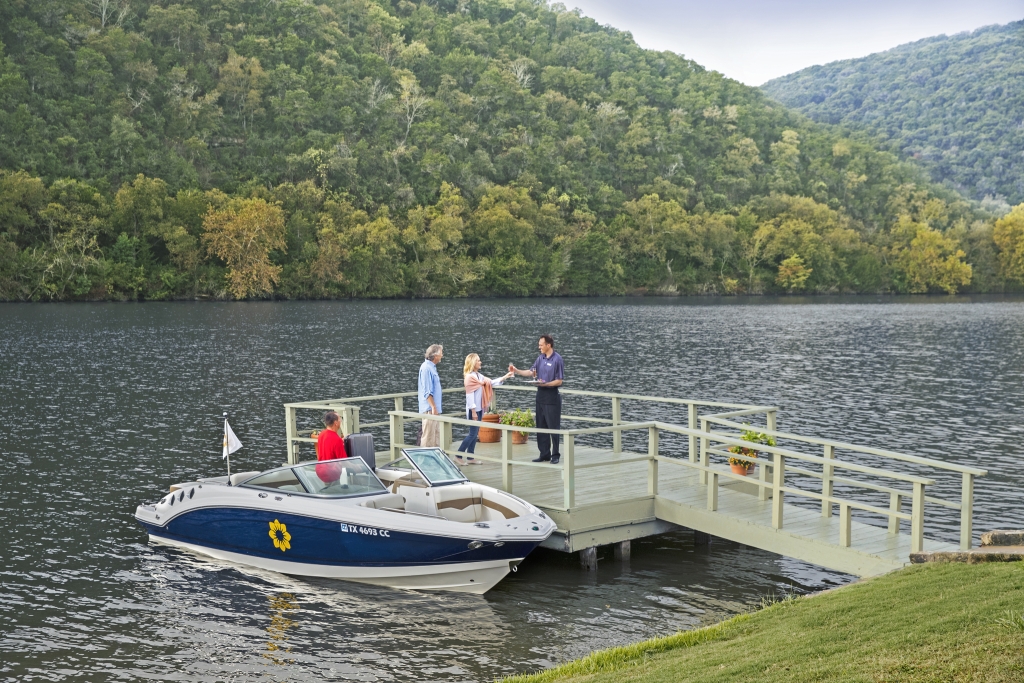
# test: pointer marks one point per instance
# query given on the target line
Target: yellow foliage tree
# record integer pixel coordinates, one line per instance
(1008, 235)
(243, 234)
(793, 273)
(930, 261)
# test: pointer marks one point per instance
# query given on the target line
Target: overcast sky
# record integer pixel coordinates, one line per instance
(754, 41)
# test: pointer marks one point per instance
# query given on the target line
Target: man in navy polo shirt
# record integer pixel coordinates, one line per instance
(549, 372)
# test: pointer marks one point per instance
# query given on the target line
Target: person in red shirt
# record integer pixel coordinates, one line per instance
(330, 446)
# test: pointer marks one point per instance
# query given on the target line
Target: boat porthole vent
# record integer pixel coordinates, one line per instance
(473, 545)
(499, 544)
(482, 525)
(263, 495)
(181, 496)
(191, 492)
(278, 498)
(171, 501)
(162, 501)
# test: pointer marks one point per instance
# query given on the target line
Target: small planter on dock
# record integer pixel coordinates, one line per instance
(488, 435)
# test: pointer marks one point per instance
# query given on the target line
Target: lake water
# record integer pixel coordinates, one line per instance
(102, 406)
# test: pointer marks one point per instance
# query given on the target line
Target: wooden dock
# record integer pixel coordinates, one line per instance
(800, 502)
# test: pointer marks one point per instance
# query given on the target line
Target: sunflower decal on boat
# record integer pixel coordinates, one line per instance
(279, 534)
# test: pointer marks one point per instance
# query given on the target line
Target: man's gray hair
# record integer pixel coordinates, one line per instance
(432, 351)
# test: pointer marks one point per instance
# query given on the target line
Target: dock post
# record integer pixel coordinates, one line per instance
(397, 429)
(622, 551)
(691, 411)
(917, 519)
(706, 428)
(350, 419)
(845, 525)
(778, 477)
(506, 460)
(713, 492)
(569, 477)
(763, 492)
(966, 510)
(827, 484)
(652, 464)
(588, 559)
(446, 436)
(616, 419)
(895, 505)
(396, 437)
(291, 428)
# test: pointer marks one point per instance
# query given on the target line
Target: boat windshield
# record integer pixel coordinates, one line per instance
(327, 479)
(434, 465)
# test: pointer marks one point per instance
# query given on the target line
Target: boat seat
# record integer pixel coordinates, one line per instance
(393, 501)
(236, 479)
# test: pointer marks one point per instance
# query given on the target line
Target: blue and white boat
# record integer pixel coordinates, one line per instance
(415, 523)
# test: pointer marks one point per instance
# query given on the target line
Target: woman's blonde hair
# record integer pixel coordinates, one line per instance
(468, 366)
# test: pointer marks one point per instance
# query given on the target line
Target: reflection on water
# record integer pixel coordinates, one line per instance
(103, 406)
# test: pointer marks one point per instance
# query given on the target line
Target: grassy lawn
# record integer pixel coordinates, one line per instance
(936, 622)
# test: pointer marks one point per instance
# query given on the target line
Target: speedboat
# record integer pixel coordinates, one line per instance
(414, 523)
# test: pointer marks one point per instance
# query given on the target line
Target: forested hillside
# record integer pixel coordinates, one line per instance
(358, 148)
(953, 103)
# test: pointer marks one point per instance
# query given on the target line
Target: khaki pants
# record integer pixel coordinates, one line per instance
(430, 434)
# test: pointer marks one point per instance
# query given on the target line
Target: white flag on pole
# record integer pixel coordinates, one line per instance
(231, 442)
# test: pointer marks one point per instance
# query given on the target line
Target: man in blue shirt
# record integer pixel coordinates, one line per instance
(429, 392)
(549, 371)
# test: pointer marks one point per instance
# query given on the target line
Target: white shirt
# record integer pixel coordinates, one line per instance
(474, 398)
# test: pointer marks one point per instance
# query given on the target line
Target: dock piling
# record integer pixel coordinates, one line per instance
(622, 551)
(588, 559)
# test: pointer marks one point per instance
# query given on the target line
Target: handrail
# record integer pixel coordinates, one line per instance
(853, 447)
(714, 438)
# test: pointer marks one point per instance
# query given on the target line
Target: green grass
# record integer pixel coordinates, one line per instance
(941, 622)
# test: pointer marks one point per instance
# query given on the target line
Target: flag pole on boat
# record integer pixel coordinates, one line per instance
(231, 444)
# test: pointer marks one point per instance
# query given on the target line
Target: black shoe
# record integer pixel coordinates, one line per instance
(554, 461)
(541, 459)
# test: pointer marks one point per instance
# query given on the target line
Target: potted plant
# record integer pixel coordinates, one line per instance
(488, 435)
(744, 467)
(518, 418)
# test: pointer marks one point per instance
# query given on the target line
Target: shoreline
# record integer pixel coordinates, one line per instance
(920, 623)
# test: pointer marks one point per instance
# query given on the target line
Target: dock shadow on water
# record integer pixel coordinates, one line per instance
(102, 406)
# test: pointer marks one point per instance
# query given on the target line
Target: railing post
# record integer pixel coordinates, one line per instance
(827, 484)
(762, 476)
(397, 437)
(713, 491)
(769, 418)
(350, 420)
(397, 430)
(616, 419)
(506, 460)
(446, 436)
(967, 511)
(778, 477)
(917, 520)
(845, 525)
(895, 505)
(706, 428)
(652, 464)
(290, 428)
(569, 473)
(691, 411)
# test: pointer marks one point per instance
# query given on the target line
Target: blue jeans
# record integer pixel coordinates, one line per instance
(469, 443)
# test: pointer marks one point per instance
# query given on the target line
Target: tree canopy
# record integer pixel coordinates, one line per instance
(389, 148)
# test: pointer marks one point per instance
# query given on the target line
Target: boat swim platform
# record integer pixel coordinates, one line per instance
(800, 501)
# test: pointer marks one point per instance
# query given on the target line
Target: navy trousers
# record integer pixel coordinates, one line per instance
(549, 416)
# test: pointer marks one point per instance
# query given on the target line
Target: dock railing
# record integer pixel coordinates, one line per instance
(707, 437)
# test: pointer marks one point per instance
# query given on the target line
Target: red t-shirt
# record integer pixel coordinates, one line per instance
(329, 446)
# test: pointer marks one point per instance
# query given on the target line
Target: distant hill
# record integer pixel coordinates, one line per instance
(953, 103)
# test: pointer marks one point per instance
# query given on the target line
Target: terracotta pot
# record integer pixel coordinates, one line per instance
(488, 435)
(519, 438)
(741, 469)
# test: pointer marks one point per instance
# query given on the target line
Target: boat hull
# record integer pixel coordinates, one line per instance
(343, 549)
(464, 577)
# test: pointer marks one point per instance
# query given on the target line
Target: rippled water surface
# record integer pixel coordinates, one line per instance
(102, 406)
